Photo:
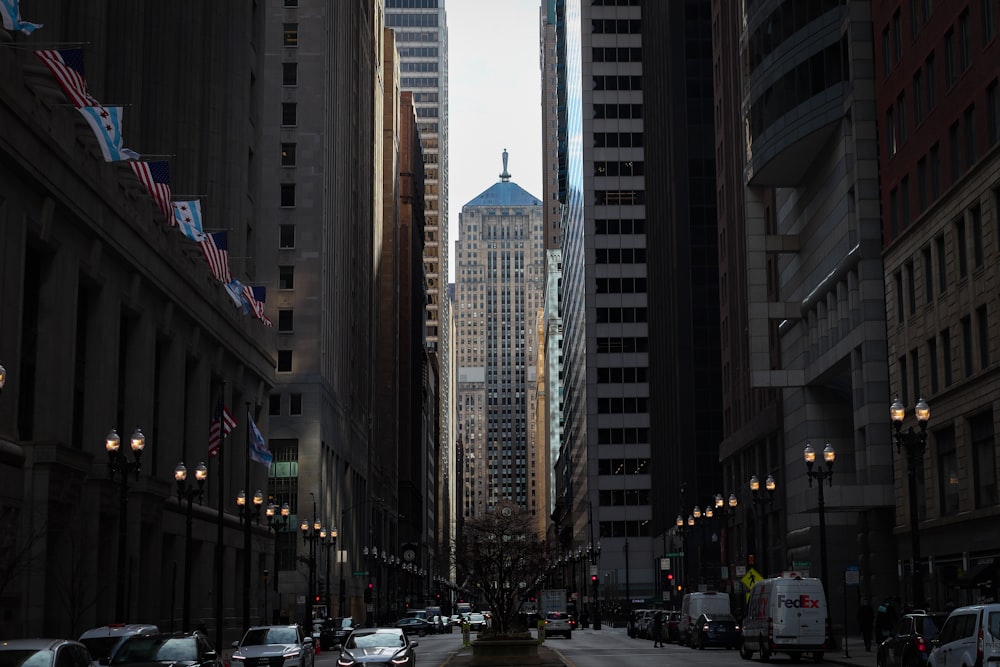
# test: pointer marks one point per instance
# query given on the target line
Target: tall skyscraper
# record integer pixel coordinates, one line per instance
(500, 265)
(421, 28)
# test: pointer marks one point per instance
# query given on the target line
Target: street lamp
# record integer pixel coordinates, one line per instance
(757, 500)
(311, 536)
(120, 465)
(820, 474)
(189, 492)
(914, 443)
(246, 512)
(371, 556)
(277, 521)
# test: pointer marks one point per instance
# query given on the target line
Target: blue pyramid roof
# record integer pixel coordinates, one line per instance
(505, 193)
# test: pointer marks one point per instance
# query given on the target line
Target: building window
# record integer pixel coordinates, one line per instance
(946, 356)
(897, 35)
(947, 470)
(287, 194)
(914, 19)
(893, 213)
(911, 286)
(904, 201)
(287, 155)
(291, 3)
(284, 361)
(290, 34)
(901, 117)
(915, 372)
(890, 132)
(286, 277)
(931, 88)
(918, 97)
(932, 361)
(274, 404)
(970, 136)
(992, 113)
(928, 275)
(289, 114)
(286, 237)
(942, 258)
(984, 459)
(886, 52)
(289, 74)
(965, 42)
(285, 320)
(295, 404)
(935, 172)
(949, 58)
(967, 346)
(955, 144)
(989, 20)
(983, 332)
(960, 252)
(922, 184)
(976, 218)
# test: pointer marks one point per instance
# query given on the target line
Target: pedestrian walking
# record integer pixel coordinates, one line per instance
(866, 621)
(658, 629)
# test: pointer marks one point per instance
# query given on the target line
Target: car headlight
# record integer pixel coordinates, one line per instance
(401, 661)
(345, 661)
(293, 653)
(238, 657)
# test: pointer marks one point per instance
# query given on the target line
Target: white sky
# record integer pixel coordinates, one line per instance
(494, 100)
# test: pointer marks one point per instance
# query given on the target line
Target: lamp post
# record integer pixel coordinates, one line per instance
(820, 474)
(277, 521)
(757, 499)
(914, 443)
(311, 536)
(189, 492)
(328, 541)
(371, 557)
(119, 465)
(246, 512)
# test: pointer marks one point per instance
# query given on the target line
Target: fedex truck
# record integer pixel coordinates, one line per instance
(786, 614)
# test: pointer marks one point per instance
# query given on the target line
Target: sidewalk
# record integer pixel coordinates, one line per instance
(856, 654)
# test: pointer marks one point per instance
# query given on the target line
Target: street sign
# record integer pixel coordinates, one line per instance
(674, 554)
(360, 573)
(852, 577)
(751, 577)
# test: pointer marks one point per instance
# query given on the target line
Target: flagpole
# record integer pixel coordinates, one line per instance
(219, 569)
(246, 530)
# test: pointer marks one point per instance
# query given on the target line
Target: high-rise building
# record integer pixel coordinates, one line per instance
(549, 66)
(421, 28)
(500, 266)
(321, 226)
(938, 110)
(603, 472)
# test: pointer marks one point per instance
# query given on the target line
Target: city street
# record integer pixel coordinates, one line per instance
(591, 648)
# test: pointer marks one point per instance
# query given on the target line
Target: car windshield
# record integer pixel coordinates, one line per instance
(155, 649)
(258, 636)
(376, 640)
(26, 658)
(100, 647)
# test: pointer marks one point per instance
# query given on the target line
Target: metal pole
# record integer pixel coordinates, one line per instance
(247, 560)
(220, 571)
(914, 456)
(822, 538)
(186, 622)
(122, 531)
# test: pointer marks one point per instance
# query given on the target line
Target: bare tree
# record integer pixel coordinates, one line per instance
(17, 542)
(77, 592)
(500, 556)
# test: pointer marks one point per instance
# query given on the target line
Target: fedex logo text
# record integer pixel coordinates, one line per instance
(800, 602)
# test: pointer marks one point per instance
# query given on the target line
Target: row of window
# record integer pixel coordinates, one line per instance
(622, 344)
(420, 82)
(419, 66)
(429, 20)
(619, 197)
(616, 26)
(275, 401)
(621, 315)
(620, 466)
(418, 52)
(618, 227)
(629, 405)
(618, 139)
(621, 285)
(623, 497)
(618, 82)
(613, 111)
(975, 346)
(620, 255)
(620, 54)
(622, 436)
(640, 528)
(411, 4)
(779, 25)
(622, 374)
(959, 44)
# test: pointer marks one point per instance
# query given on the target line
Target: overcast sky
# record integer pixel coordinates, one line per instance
(494, 98)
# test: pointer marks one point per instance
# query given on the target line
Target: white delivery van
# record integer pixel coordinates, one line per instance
(786, 614)
(694, 605)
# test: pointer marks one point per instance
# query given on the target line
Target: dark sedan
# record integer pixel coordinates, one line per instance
(334, 631)
(377, 646)
(414, 626)
(715, 630)
(181, 649)
(909, 644)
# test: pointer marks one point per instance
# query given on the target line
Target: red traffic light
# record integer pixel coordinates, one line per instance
(670, 576)
(593, 578)
(317, 598)
(370, 585)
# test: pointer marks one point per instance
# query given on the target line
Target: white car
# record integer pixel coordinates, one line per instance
(285, 645)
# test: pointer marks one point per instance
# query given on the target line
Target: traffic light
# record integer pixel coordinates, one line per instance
(593, 578)
(750, 560)
(317, 598)
(368, 592)
(670, 577)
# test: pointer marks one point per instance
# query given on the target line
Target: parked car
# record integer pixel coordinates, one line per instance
(413, 626)
(286, 645)
(181, 649)
(441, 624)
(102, 641)
(477, 621)
(335, 631)
(970, 636)
(643, 618)
(377, 646)
(456, 620)
(694, 605)
(44, 653)
(670, 631)
(715, 630)
(559, 623)
(909, 641)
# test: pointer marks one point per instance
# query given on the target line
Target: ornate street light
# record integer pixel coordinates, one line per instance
(189, 492)
(757, 498)
(277, 521)
(820, 474)
(245, 513)
(914, 443)
(311, 536)
(119, 465)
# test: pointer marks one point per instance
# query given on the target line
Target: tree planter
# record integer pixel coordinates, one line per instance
(495, 652)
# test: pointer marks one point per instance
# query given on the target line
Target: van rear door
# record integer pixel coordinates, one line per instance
(801, 613)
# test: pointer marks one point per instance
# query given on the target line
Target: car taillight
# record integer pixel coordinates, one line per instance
(920, 644)
(979, 646)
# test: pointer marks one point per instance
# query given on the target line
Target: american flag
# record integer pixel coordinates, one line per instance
(255, 297)
(223, 424)
(215, 249)
(67, 66)
(156, 177)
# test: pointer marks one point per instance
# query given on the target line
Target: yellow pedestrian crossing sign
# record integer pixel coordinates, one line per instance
(751, 577)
